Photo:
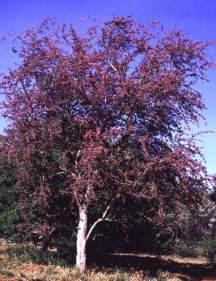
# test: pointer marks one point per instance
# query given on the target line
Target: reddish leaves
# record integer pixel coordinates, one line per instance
(100, 113)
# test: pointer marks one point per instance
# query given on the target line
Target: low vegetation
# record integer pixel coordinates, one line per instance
(22, 262)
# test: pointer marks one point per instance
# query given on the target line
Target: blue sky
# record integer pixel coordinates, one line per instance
(196, 17)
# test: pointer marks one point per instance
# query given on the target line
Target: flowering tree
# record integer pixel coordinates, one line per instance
(101, 117)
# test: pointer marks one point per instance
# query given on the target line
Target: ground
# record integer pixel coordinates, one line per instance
(19, 262)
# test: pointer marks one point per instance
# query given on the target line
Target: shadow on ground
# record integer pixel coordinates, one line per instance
(153, 265)
(149, 265)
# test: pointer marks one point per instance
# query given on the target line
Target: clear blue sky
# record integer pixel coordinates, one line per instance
(196, 17)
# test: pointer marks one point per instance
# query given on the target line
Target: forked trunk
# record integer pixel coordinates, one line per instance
(81, 239)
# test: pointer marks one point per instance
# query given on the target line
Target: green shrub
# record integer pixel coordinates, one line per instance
(181, 248)
(209, 249)
(26, 253)
(8, 222)
(184, 249)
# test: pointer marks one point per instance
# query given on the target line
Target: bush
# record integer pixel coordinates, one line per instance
(8, 222)
(184, 249)
(26, 253)
(209, 249)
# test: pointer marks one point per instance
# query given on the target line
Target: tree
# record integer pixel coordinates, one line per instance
(102, 117)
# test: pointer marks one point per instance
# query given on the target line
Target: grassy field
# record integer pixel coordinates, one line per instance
(25, 263)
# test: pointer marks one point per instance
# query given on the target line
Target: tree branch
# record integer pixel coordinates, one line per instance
(112, 66)
(103, 218)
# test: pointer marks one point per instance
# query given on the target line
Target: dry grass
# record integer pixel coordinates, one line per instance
(18, 265)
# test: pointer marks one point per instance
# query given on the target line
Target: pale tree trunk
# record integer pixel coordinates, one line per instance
(83, 235)
(81, 238)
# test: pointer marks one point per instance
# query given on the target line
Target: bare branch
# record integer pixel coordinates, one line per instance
(103, 218)
(60, 173)
(77, 156)
(112, 66)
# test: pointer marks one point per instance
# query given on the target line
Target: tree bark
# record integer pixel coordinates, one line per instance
(83, 235)
(81, 238)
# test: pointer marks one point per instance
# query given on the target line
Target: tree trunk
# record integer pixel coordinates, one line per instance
(81, 239)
